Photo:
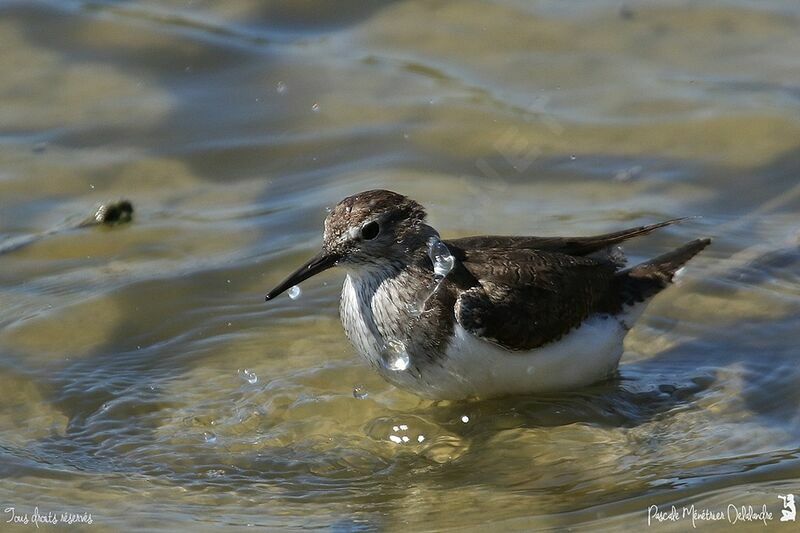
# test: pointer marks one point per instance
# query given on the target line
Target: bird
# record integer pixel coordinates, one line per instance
(483, 316)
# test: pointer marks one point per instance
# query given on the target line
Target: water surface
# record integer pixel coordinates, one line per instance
(146, 382)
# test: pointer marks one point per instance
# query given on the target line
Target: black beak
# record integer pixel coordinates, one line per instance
(319, 263)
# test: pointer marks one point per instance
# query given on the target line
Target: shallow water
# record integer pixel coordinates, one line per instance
(146, 382)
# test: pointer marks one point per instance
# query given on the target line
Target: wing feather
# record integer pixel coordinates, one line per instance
(524, 299)
(578, 246)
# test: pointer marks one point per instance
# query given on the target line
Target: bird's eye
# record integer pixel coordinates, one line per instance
(370, 230)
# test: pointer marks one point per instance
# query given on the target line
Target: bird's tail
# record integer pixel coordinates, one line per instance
(647, 279)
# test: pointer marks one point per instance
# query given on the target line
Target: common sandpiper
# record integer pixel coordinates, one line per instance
(483, 316)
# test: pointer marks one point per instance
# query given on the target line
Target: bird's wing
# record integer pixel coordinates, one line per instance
(579, 246)
(523, 299)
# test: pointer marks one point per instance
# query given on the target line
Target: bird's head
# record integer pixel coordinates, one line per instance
(369, 230)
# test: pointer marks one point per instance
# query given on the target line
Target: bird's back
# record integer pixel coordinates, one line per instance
(521, 298)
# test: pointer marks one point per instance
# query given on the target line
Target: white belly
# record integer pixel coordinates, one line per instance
(473, 368)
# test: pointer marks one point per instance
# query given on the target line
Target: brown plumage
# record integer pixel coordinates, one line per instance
(492, 324)
(523, 298)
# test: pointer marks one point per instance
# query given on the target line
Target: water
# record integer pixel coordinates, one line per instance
(442, 262)
(395, 355)
(360, 392)
(294, 292)
(441, 258)
(120, 346)
(249, 376)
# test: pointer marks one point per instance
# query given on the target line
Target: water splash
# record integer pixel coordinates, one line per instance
(400, 435)
(248, 375)
(294, 293)
(443, 263)
(415, 308)
(394, 356)
(441, 258)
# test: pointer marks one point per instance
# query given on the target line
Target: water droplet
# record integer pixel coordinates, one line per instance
(105, 407)
(420, 438)
(248, 375)
(360, 393)
(572, 157)
(209, 437)
(91, 186)
(395, 439)
(530, 370)
(394, 356)
(227, 281)
(414, 309)
(395, 428)
(628, 173)
(405, 438)
(280, 87)
(295, 292)
(403, 427)
(443, 261)
(465, 419)
(315, 107)
(328, 209)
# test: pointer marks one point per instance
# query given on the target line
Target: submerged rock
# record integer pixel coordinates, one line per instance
(111, 214)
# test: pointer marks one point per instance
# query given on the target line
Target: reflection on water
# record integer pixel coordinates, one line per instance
(147, 383)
